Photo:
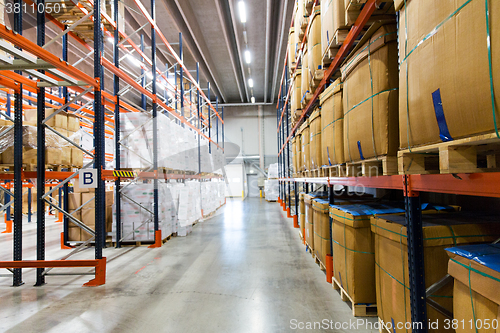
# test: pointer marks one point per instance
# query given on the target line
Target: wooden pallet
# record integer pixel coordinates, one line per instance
(372, 167)
(382, 328)
(338, 170)
(317, 77)
(480, 153)
(358, 310)
(319, 263)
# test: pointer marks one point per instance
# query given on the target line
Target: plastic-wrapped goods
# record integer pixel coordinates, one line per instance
(272, 171)
(271, 189)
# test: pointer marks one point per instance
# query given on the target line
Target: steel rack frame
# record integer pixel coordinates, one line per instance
(474, 184)
(85, 97)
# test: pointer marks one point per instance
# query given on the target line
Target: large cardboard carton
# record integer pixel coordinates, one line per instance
(353, 250)
(30, 116)
(305, 77)
(61, 120)
(306, 151)
(74, 200)
(370, 77)
(86, 196)
(76, 157)
(476, 270)
(322, 240)
(292, 49)
(309, 221)
(391, 258)
(332, 125)
(53, 156)
(447, 82)
(73, 123)
(315, 56)
(315, 139)
(88, 218)
(302, 213)
(294, 154)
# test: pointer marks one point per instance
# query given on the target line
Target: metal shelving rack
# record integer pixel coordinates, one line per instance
(475, 184)
(99, 107)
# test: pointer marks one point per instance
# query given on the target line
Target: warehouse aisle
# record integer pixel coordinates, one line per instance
(244, 270)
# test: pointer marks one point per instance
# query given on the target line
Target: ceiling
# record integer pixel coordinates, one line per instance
(213, 35)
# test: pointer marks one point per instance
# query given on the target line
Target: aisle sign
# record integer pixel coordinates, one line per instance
(88, 178)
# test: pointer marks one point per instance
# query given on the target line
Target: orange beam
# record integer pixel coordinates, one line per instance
(39, 52)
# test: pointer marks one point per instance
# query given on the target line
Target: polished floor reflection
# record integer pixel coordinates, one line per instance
(244, 270)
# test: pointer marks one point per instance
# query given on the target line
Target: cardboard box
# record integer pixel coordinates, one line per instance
(88, 196)
(76, 157)
(322, 240)
(74, 200)
(88, 218)
(439, 232)
(315, 139)
(53, 156)
(315, 54)
(332, 125)
(66, 156)
(305, 163)
(302, 213)
(110, 198)
(447, 76)
(309, 225)
(30, 116)
(74, 233)
(370, 79)
(61, 120)
(77, 215)
(73, 123)
(354, 253)
(473, 298)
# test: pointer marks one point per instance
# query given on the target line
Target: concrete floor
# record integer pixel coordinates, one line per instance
(244, 270)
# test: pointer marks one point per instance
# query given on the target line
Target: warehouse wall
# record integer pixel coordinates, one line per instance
(242, 128)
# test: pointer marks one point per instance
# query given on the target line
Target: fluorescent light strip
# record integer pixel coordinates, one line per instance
(243, 13)
(250, 83)
(248, 58)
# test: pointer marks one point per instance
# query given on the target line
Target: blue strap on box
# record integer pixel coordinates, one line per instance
(444, 133)
(360, 151)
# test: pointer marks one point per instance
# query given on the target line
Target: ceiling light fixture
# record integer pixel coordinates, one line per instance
(250, 83)
(248, 58)
(252, 100)
(243, 13)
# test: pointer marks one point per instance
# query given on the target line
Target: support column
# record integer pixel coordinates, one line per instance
(209, 123)
(99, 161)
(18, 163)
(116, 89)
(40, 138)
(413, 215)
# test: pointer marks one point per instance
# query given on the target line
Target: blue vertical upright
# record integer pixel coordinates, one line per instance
(65, 187)
(181, 75)
(287, 174)
(155, 128)
(18, 163)
(116, 88)
(143, 79)
(99, 163)
(40, 138)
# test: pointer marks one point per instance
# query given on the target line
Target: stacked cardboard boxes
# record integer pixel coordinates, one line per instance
(57, 152)
(439, 232)
(86, 214)
(476, 270)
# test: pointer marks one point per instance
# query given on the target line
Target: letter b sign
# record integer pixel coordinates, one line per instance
(88, 178)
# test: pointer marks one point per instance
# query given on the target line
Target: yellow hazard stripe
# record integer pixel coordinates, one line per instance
(129, 174)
